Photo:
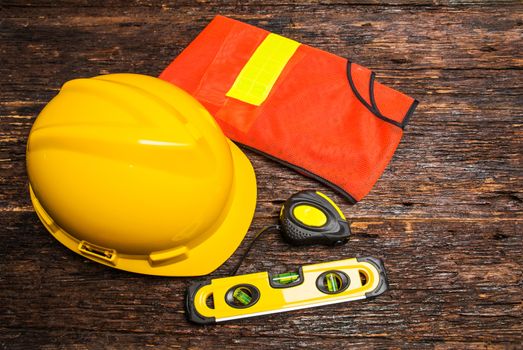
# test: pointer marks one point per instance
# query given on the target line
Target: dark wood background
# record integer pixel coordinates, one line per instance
(446, 216)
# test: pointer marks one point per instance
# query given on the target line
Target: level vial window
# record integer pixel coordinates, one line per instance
(242, 296)
(286, 278)
(332, 282)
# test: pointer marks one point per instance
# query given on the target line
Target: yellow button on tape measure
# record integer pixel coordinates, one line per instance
(309, 215)
(261, 293)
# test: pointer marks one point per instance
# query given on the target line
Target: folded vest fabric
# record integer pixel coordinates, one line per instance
(311, 110)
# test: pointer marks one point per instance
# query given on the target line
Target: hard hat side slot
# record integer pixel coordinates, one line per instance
(97, 252)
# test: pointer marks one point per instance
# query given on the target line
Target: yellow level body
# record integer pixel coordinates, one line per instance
(258, 294)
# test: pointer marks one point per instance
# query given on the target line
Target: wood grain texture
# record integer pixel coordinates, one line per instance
(446, 216)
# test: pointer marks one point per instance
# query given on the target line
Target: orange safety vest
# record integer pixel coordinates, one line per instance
(311, 110)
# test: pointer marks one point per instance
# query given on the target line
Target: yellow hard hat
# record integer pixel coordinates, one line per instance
(132, 172)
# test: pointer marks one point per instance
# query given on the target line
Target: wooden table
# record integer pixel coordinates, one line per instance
(446, 216)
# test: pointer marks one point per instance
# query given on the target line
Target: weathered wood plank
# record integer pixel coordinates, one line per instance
(446, 216)
(210, 3)
(375, 37)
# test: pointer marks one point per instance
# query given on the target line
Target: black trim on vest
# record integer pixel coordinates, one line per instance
(373, 107)
(371, 92)
(409, 114)
(304, 172)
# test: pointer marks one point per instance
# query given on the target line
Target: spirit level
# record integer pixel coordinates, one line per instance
(261, 293)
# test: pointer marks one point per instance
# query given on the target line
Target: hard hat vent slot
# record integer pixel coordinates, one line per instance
(97, 252)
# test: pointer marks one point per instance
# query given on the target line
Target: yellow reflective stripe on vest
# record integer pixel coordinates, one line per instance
(257, 77)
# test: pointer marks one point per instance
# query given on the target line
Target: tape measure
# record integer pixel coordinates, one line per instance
(261, 293)
(310, 217)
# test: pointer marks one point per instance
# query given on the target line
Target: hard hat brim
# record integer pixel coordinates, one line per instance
(199, 260)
